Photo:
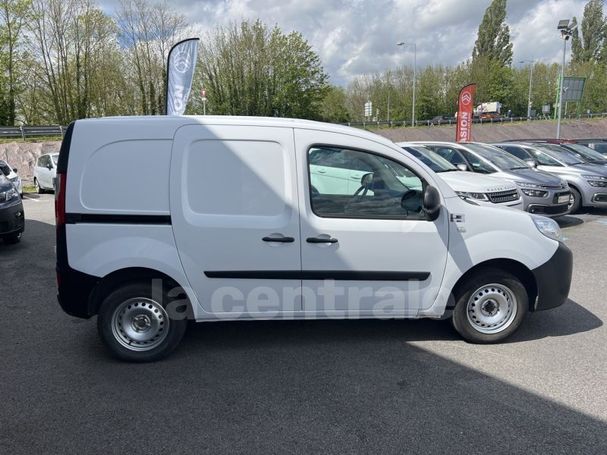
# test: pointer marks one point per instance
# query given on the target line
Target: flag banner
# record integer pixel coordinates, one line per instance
(180, 73)
(465, 109)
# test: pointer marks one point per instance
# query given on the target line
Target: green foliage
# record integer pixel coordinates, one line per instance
(589, 46)
(493, 41)
(251, 69)
(334, 108)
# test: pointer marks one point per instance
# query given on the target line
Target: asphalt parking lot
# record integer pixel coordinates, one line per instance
(303, 386)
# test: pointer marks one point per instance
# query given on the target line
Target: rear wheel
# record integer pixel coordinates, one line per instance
(490, 306)
(136, 325)
(575, 203)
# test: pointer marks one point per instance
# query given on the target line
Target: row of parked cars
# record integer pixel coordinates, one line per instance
(550, 178)
(12, 217)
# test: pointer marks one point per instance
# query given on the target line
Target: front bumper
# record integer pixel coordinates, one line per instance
(553, 279)
(549, 205)
(12, 218)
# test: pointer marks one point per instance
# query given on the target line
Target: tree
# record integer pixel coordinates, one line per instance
(589, 45)
(333, 108)
(148, 31)
(13, 14)
(250, 69)
(493, 41)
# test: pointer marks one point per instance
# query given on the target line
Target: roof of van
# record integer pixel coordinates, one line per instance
(177, 121)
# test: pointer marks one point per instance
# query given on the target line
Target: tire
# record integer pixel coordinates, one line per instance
(137, 328)
(475, 306)
(39, 189)
(12, 239)
(576, 204)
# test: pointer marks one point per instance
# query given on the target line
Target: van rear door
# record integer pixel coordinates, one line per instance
(235, 216)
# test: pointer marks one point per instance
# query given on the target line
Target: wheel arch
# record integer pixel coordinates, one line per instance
(516, 268)
(128, 275)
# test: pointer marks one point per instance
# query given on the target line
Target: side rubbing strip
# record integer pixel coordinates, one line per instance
(320, 275)
(98, 218)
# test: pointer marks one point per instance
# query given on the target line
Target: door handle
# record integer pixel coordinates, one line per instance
(281, 239)
(321, 240)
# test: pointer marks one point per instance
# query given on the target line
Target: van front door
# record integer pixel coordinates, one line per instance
(369, 251)
(234, 212)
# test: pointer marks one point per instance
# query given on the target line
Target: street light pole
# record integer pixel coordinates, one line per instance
(402, 43)
(532, 64)
(566, 30)
(560, 107)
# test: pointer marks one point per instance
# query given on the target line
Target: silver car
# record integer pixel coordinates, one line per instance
(588, 182)
(543, 193)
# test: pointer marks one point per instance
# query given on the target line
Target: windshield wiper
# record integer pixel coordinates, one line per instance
(523, 167)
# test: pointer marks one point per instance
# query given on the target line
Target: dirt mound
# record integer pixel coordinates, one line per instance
(539, 129)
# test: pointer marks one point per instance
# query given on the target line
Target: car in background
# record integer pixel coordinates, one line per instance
(543, 193)
(442, 120)
(11, 174)
(599, 145)
(481, 189)
(587, 182)
(45, 172)
(12, 218)
(585, 153)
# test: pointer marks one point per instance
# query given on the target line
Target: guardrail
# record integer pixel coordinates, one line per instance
(31, 131)
(452, 121)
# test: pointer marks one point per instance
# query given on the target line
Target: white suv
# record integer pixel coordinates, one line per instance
(235, 231)
(45, 172)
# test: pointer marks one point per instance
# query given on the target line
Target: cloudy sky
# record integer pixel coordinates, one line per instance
(355, 37)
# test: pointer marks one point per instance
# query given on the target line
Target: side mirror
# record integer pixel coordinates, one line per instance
(49, 167)
(15, 170)
(462, 167)
(431, 202)
(531, 163)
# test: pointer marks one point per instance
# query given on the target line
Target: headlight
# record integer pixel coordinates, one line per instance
(596, 180)
(8, 195)
(548, 227)
(534, 193)
(468, 195)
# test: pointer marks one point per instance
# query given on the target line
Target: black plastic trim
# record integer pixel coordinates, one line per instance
(320, 275)
(103, 218)
(64, 151)
(553, 279)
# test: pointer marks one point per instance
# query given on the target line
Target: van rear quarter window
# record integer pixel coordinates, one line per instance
(236, 178)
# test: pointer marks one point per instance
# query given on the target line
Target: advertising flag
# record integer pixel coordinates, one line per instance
(180, 73)
(465, 110)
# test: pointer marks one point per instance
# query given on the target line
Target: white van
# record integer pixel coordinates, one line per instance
(163, 219)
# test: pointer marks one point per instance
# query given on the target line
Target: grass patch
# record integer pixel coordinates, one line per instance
(8, 140)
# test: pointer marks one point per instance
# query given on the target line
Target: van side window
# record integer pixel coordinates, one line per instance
(362, 185)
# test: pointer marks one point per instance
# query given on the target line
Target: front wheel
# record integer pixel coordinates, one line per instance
(490, 306)
(575, 203)
(139, 325)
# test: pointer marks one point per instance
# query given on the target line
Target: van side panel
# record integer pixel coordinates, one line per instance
(127, 177)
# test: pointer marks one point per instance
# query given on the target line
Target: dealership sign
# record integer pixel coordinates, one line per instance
(465, 108)
(180, 73)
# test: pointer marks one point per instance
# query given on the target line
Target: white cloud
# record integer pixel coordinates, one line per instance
(355, 37)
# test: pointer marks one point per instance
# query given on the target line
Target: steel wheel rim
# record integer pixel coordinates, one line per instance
(491, 308)
(140, 324)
